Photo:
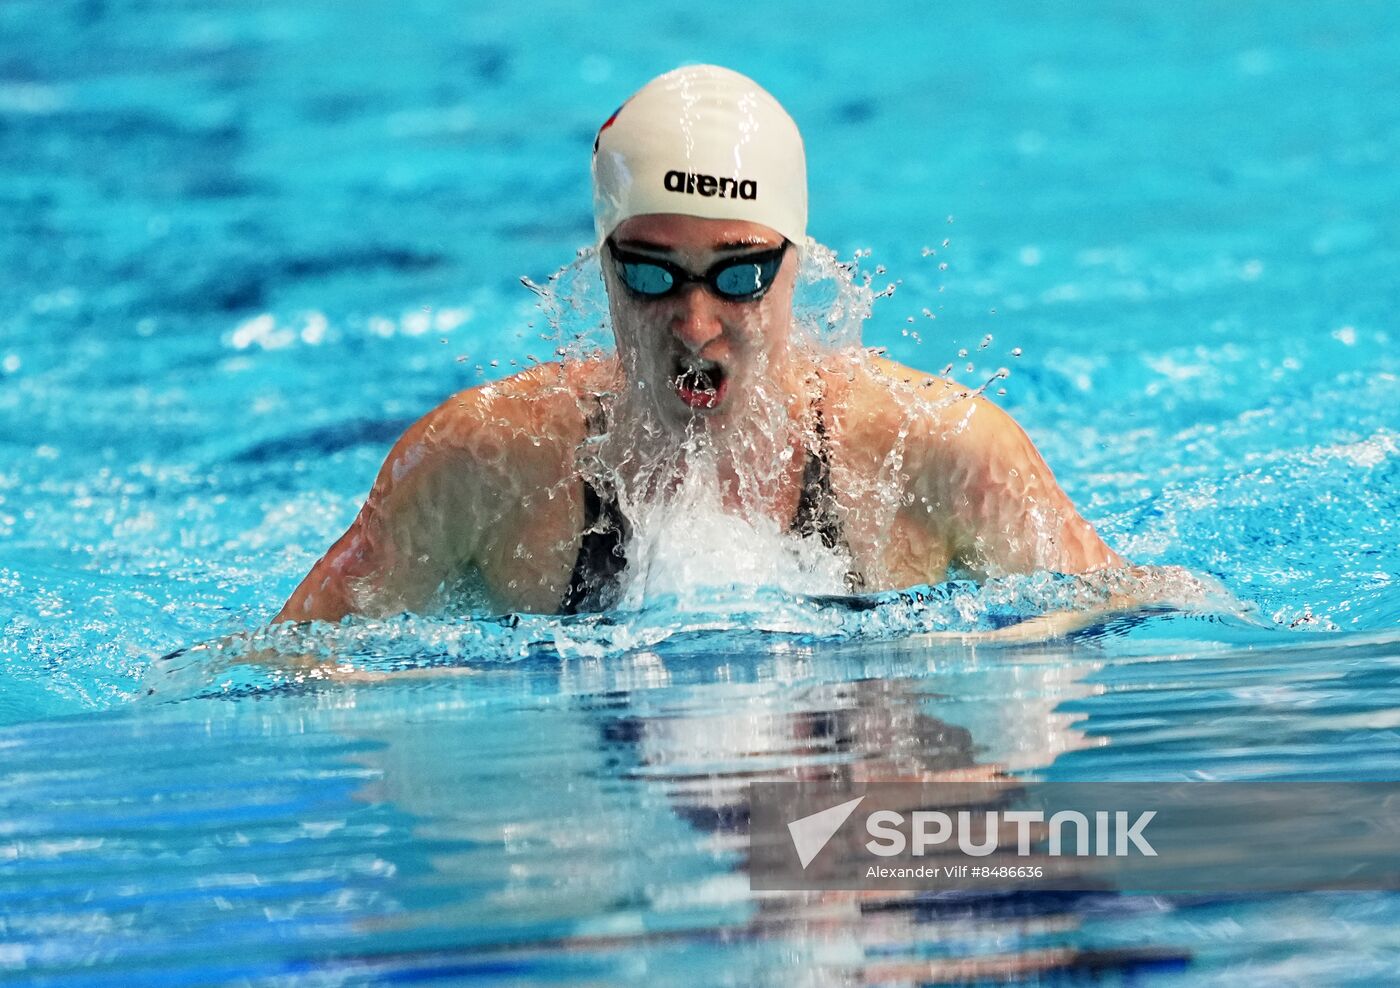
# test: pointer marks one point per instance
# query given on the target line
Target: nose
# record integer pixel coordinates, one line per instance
(696, 320)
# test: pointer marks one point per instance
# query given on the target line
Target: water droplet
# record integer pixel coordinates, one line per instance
(943, 265)
(1015, 351)
(946, 241)
(969, 368)
(1001, 391)
(986, 342)
(962, 352)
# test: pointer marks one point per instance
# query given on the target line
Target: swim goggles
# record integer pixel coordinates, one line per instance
(744, 278)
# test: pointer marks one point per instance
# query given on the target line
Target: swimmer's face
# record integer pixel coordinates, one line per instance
(692, 354)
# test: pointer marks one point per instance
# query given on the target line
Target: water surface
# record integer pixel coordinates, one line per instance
(245, 246)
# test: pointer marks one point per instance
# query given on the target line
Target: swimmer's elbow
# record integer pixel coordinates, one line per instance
(1087, 552)
(319, 597)
(354, 574)
(322, 606)
(419, 523)
(1015, 517)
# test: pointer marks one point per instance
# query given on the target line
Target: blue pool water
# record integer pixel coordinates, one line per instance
(244, 245)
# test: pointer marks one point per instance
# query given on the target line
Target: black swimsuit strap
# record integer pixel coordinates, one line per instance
(601, 556)
(816, 506)
(816, 514)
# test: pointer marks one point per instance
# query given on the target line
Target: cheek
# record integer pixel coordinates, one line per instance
(625, 328)
(774, 316)
(635, 336)
(772, 325)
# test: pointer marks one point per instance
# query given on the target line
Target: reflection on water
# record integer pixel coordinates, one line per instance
(633, 833)
(585, 817)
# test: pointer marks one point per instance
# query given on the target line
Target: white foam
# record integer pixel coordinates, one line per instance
(691, 543)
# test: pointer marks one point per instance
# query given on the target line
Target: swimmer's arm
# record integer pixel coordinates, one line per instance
(1003, 509)
(418, 527)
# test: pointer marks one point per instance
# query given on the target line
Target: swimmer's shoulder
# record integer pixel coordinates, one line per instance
(925, 387)
(961, 418)
(501, 435)
(543, 407)
(883, 406)
(885, 395)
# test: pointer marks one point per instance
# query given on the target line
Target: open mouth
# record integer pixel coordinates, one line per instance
(700, 383)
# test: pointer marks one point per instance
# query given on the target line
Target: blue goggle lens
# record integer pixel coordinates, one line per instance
(735, 279)
(746, 278)
(646, 279)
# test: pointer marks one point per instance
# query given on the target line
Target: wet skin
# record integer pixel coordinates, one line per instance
(486, 488)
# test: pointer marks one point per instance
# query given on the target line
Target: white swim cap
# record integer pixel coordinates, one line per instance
(702, 141)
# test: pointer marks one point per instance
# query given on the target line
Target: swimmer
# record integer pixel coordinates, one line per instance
(521, 488)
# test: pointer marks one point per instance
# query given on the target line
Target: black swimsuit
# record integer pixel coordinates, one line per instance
(602, 556)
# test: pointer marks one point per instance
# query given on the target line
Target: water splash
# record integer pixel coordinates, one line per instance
(728, 473)
(691, 544)
(754, 617)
